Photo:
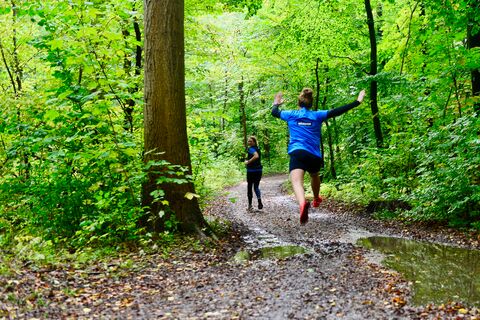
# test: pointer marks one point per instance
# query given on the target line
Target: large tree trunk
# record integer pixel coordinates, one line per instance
(373, 71)
(473, 39)
(165, 115)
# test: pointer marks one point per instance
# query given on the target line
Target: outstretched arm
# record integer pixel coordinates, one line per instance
(341, 110)
(277, 101)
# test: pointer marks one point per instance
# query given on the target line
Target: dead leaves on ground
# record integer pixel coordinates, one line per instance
(111, 286)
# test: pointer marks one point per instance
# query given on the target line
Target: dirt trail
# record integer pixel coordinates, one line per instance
(280, 217)
(333, 280)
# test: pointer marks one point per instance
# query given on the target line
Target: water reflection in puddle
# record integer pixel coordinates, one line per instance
(439, 273)
(278, 252)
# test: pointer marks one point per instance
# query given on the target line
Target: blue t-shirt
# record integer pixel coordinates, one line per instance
(305, 128)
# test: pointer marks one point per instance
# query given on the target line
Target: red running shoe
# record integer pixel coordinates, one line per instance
(304, 212)
(316, 202)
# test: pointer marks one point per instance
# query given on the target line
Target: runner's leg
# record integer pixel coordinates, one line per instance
(249, 189)
(296, 178)
(315, 183)
(256, 187)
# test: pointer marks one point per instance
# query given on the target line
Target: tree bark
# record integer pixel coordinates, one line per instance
(373, 71)
(473, 41)
(165, 131)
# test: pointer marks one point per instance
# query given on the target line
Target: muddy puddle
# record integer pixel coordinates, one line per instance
(439, 273)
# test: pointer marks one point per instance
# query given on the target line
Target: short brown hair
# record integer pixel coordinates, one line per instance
(305, 99)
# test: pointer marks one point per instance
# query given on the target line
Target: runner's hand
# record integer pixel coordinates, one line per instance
(361, 95)
(278, 100)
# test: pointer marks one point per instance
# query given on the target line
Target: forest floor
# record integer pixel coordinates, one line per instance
(334, 279)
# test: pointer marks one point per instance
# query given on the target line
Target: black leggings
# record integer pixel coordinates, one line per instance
(253, 180)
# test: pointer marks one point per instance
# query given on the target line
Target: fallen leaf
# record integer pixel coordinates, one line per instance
(462, 311)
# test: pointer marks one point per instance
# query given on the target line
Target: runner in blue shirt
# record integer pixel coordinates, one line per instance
(254, 172)
(304, 147)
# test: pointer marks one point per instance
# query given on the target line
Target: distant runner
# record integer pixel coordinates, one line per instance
(254, 172)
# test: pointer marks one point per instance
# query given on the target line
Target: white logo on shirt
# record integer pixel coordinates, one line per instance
(300, 123)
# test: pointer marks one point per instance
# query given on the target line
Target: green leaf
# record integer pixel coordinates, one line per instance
(51, 115)
(190, 195)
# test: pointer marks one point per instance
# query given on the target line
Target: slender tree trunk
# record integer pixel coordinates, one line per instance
(317, 101)
(473, 41)
(266, 145)
(424, 48)
(423, 28)
(138, 48)
(379, 21)
(317, 98)
(16, 61)
(7, 67)
(243, 114)
(457, 93)
(324, 106)
(331, 151)
(17, 80)
(373, 71)
(225, 101)
(130, 103)
(317, 85)
(409, 34)
(165, 135)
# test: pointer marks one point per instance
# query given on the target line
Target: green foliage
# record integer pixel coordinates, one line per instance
(71, 147)
(252, 6)
(448, 176)
(386, 214)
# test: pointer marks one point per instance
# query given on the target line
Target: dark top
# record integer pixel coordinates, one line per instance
(254, 166)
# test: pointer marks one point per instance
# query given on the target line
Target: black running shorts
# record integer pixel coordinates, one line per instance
(301, 159)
